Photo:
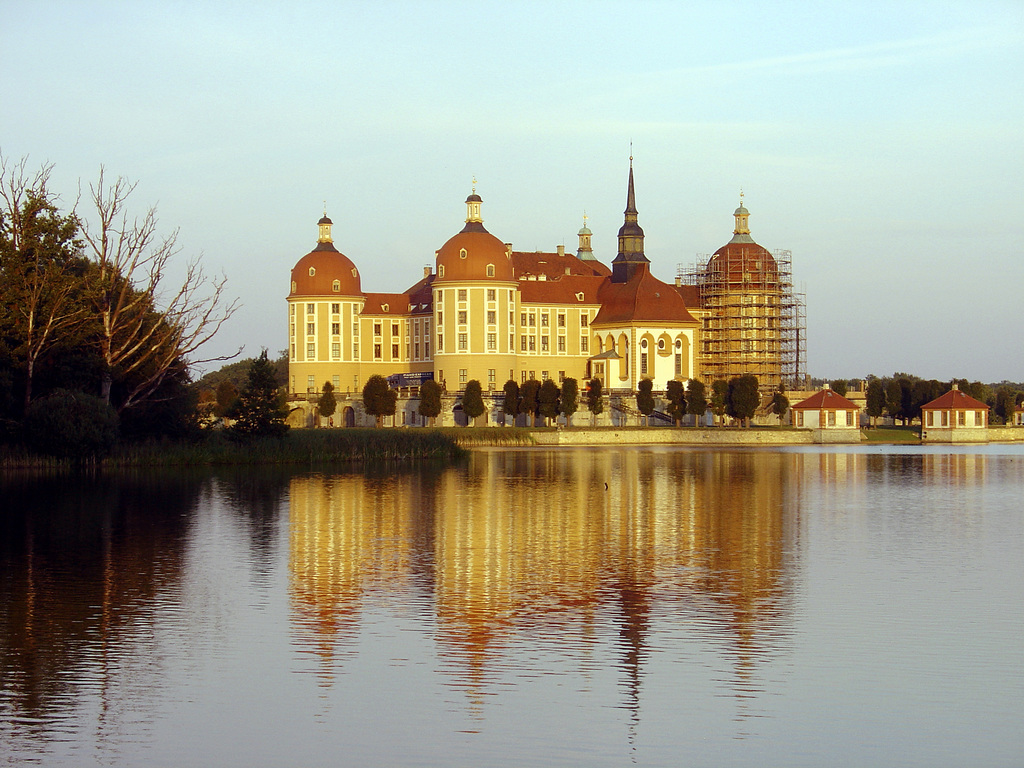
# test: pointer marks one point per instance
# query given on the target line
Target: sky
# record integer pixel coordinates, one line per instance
(881, 143)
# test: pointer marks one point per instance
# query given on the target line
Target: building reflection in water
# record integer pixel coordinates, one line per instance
(556, 552)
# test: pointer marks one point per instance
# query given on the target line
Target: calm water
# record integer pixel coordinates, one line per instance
(841, 607)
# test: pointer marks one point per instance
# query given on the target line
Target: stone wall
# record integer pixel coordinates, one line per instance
(660, 436)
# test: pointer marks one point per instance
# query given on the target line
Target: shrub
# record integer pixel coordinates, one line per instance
(71, 425)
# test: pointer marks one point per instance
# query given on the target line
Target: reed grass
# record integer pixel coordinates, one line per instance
(298, 447)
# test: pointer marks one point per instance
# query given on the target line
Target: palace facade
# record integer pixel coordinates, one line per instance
(489, 313)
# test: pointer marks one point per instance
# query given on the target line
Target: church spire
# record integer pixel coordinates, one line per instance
(741, 233)
(631, 238)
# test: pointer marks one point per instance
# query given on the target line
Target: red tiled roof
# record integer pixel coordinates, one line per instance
(563, 290)
(825, 400)
(690, 294)
(954, 399)
(397, 304)
(554, 265)
(328, 264)
(644, 298)
(733, 261)
(482, 250)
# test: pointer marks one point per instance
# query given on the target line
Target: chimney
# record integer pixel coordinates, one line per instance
(426, 271)
(561, 250)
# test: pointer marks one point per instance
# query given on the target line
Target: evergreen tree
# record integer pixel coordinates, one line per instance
(894, 399)
(676, 396)
(696, 399)
(528, 403)
(743, 398)
(379, 399)
(547, 399)
(595, 399)
(430, 400)
(510, 405)
(570, 402)
(328, 403)
(644, 399)
(473, 401)
(839, 386)
(262, 409)
(780, 404)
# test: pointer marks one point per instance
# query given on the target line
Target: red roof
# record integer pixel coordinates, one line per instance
(826, 400)
(397, 304)
(954, 399)
(554, 265)
(564, 290)
(314, 274)
(644, 298)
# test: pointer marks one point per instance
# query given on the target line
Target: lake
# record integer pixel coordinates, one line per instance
(840, 606)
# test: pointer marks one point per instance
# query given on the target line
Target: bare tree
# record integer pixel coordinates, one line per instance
(146, 331)
(38, 244)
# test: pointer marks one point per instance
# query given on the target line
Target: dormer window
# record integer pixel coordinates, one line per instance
(440, 271)
(463, 254)
(579, 296)
(490, 270)
(385, 307)
(312, 271)
(355, 273)
(336, 286)
(294, 287)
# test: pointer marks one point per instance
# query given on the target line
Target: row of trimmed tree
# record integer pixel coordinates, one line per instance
(901, 396)
(738, 397)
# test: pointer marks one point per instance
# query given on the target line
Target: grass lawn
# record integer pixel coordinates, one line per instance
(892, 434)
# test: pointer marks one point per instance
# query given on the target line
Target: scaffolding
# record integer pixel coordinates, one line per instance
(752, 319)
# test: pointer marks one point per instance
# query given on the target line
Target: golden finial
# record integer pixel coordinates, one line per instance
(584, 218)
(474, 184)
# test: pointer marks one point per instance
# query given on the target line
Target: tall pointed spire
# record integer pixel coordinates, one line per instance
(631, 238)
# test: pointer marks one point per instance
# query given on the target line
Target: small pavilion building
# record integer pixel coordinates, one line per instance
(954, 417)
(830, 416)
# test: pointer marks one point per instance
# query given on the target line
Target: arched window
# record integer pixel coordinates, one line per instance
(294, 287)
(440, 271)
(312, 271)
(490, 270)
(336, 286)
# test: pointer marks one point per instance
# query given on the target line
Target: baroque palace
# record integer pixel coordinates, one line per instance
(489, 313)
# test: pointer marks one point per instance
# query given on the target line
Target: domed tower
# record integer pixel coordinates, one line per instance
(742, 297)
(475, 297)
(324, 302)
(585, 251)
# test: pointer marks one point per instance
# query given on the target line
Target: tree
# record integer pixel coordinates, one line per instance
(839, 386)
(328, 403)
(1006, 403)
(528, 394)
(570, 402)
(510, 405)
(473, 401)
(430, 400)
(227, 399)
(595, 399)
(875, 400)
(644, 399)
(696, 398)
(547, 400)
(38, 254)
(743, 398)
(262, 406)
(894, 400)
(379, 399)
(71, 425)
(780, 404)
(136, 334)
(676, 396)
(719, 398)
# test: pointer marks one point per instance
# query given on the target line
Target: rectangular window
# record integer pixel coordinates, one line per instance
(799, 418)
(561, 343)
(522, 343)
(335, 309)
(679, 363)
(376, 329)
(440, 317)
(310, 328)
(522, 377)
(394, 351)
(584, 343)
(462, 375)
(831, 418)
(416, 350)
(643, 363)
(394, 329)
(462, 317)
(463, 340)
(376, 351)
(543, 343)
(543, 375)
(931, 418)
(462, 294)
(492, 317)
(561, 320)
(561, 376)
(533, 343)
(584, 320)
(522, 319)
(336, 381)
(533, 320)
(310, 309)
(492, 341)
(310, 351)
(490, 375)
(961, 418)
(491, 294)
(440, 343)
(544, 320)
(336, 350)
(311, 383)
(426, 350)
(336, 328)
